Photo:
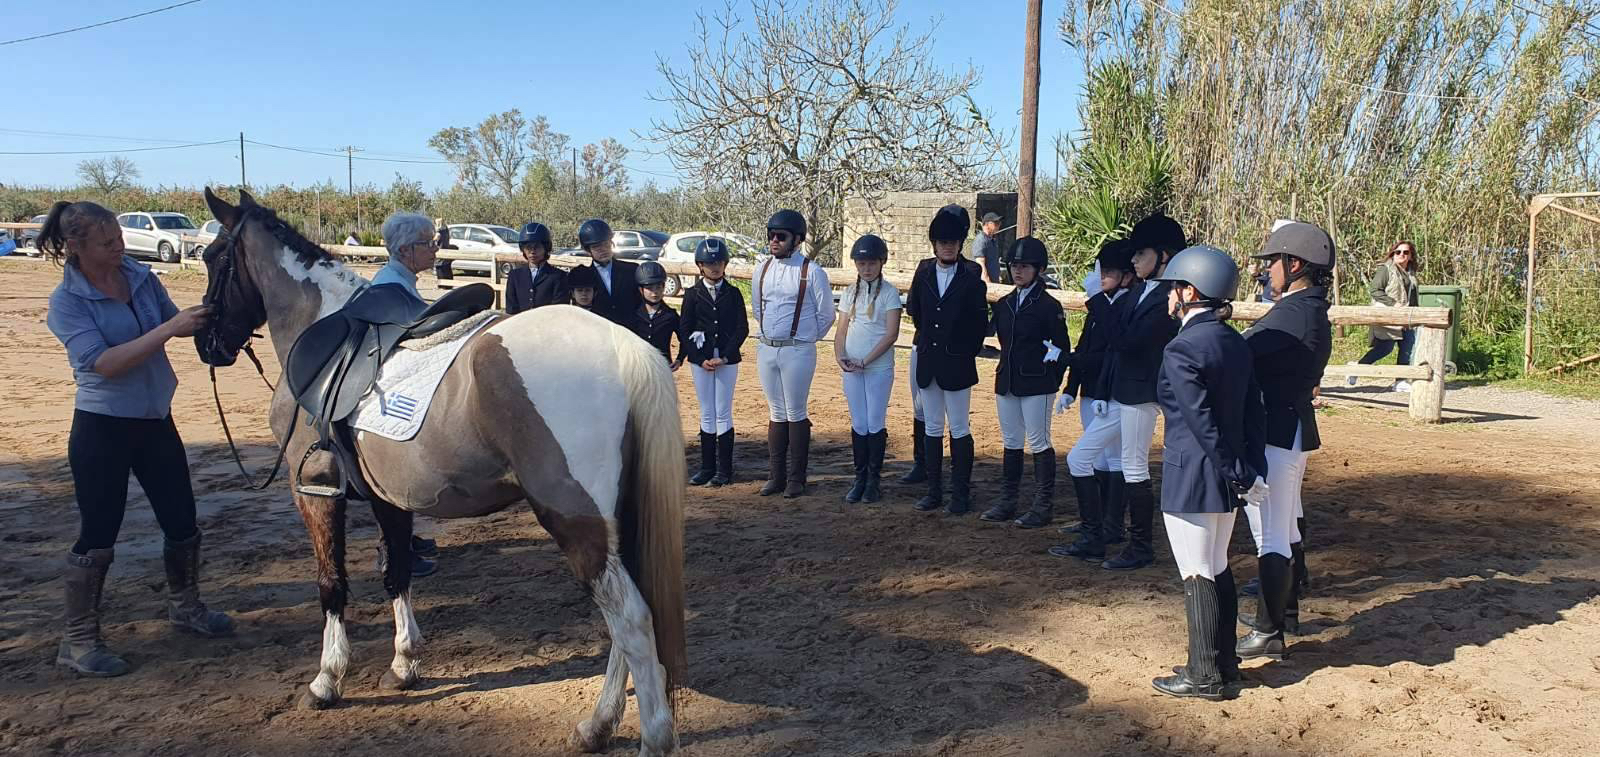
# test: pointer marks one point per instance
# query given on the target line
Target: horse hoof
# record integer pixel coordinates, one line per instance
(310, 701)
(392, 682)
(588, 742)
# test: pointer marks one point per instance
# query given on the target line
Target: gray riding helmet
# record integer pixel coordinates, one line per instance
(1207, 269)
(1306, 241)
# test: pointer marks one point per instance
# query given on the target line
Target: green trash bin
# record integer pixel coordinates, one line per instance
(1445, 296)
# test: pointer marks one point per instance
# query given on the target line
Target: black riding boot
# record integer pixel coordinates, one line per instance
(1141, 500)
(708, 460)
(918, 473)
(960, 476)
(1088, 546)
(1010, 485)
(724, 459)
(1227, 616)
(1277, 582)
(858, 456)
(799, 457)
(933, 466)
(778, 458)
(876, 444)
(1115, 507)
(1043, 509)
(1200, 677)
(1302, 583)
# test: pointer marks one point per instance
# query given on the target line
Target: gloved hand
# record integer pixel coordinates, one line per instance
(1064, 404)
(1052, 353)
(699, 339)
(1091, 280)
(1257, 495)
(1099, 407)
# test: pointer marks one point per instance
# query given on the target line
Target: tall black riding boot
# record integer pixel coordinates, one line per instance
(799, 457)
(1141, 501)
(1088, 546)
(1044, 491)
(708, 460)
(918, 473)
(1010, 485)
(724, 459)
(933, 466)
(1277, 582)
(858, 455)
(1200, 677)
(960, 476)
(876, 444)
(1113, 510)
(1302, 583)
(777, 457)
(1227, 616)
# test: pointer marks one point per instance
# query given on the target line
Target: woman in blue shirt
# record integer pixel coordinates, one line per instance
(115, 318)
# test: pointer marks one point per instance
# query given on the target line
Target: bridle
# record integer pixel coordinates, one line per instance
(211, 342)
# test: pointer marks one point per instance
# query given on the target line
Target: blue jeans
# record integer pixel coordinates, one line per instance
(1382, 347)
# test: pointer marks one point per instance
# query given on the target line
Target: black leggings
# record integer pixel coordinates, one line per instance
(102, 450)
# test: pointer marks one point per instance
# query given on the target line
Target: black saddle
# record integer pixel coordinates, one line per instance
(335, 362)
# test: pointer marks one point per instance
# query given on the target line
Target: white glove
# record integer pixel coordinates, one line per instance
(1052, 353)
(1064, 404)
(699, 339)
(1258, 493)
(1091, 280)
(1099, 407)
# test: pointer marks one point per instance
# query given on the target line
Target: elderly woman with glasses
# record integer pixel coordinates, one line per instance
(412, 248)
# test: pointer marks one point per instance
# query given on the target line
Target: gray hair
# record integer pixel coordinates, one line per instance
(401, 230)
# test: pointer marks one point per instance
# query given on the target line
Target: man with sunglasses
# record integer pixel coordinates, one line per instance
(793, 306)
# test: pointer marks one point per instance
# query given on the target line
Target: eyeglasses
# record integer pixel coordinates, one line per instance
(780, 236)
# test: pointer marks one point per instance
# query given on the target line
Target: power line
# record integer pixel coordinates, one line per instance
(97, 25)
(337, 155)
(71, 135)
(114, 152)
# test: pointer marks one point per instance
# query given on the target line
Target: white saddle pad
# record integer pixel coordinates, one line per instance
(398, 402)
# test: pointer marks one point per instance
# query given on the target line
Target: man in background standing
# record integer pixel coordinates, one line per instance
(986, 248)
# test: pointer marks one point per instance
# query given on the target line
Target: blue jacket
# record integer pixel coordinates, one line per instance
(1215, 443)
(1291, 344)
(1133, 354)
(88, 323)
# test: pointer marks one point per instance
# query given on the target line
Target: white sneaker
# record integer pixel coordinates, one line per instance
(1402, 386)
(1350, 380)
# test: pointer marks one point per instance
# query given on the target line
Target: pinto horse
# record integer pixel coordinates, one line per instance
(556, 406)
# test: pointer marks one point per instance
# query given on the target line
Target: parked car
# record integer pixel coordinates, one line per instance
(481, 237)
(29, 237)
(7, 244)
(162, 235)
(680, 249)
(203, 238)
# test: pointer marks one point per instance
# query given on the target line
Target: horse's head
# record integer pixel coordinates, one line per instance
(237, 307)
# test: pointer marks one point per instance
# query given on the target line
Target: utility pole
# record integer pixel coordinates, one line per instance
(241, 160)
(574, 181)
(1030, 120)
(350, 179)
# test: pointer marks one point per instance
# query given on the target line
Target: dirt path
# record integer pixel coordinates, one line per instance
(1454, 609)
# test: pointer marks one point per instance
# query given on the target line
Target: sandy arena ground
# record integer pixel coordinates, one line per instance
(1453, 612)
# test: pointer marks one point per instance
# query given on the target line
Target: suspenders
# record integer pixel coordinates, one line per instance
(799, 299)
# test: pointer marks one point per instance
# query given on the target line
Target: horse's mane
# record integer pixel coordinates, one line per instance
(309, 253)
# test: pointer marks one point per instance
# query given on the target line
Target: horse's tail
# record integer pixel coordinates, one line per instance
(650, 509)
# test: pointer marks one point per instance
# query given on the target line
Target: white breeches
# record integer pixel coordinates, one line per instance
(942, 408)
(1200, 542)
(714, 389)
(1273, 523)
(786, 374)
(867, 393)
(1110, 459)
(1025, 419)
(916, 391)
(1101, 438)
(1138, 429)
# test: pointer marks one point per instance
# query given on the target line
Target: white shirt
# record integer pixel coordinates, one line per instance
(1148, 285)
(943, 274)
(865, 332)
(605, 275)
(1022, 294)
(713, 289)
(774, 303)
(1192, 312)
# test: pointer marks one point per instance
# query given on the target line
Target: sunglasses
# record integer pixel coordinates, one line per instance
(781, 236)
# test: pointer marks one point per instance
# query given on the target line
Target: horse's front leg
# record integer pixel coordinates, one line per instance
(396, 526)
(324, 517)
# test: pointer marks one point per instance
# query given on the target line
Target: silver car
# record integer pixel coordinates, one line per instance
(161, 235)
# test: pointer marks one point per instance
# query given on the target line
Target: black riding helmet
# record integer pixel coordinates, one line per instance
(1160, 233)
(1209, 270)
(790, 221)
(650, 273)
(711, 250)
(534, 232)
(1028, 251)
(583, 277)
(593, 232)
(1115, 255)
(869, 247)
(950, 224)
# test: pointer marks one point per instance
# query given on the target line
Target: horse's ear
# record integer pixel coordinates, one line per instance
(220, 209)
(245, 200)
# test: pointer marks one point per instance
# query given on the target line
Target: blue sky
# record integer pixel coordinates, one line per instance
(385, 76)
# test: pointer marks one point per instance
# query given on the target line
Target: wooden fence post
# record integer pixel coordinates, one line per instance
(1427, 396)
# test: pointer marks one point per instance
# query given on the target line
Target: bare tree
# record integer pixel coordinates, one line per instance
(490, 154)
(108, 174)
(810, 102)
(602, 166)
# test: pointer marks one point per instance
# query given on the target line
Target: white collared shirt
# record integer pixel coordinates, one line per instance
(605, 274)
(774, 308)
(1148, 287)
(943, 274)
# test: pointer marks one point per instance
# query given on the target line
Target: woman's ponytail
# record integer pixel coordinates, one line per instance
(67, 221)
